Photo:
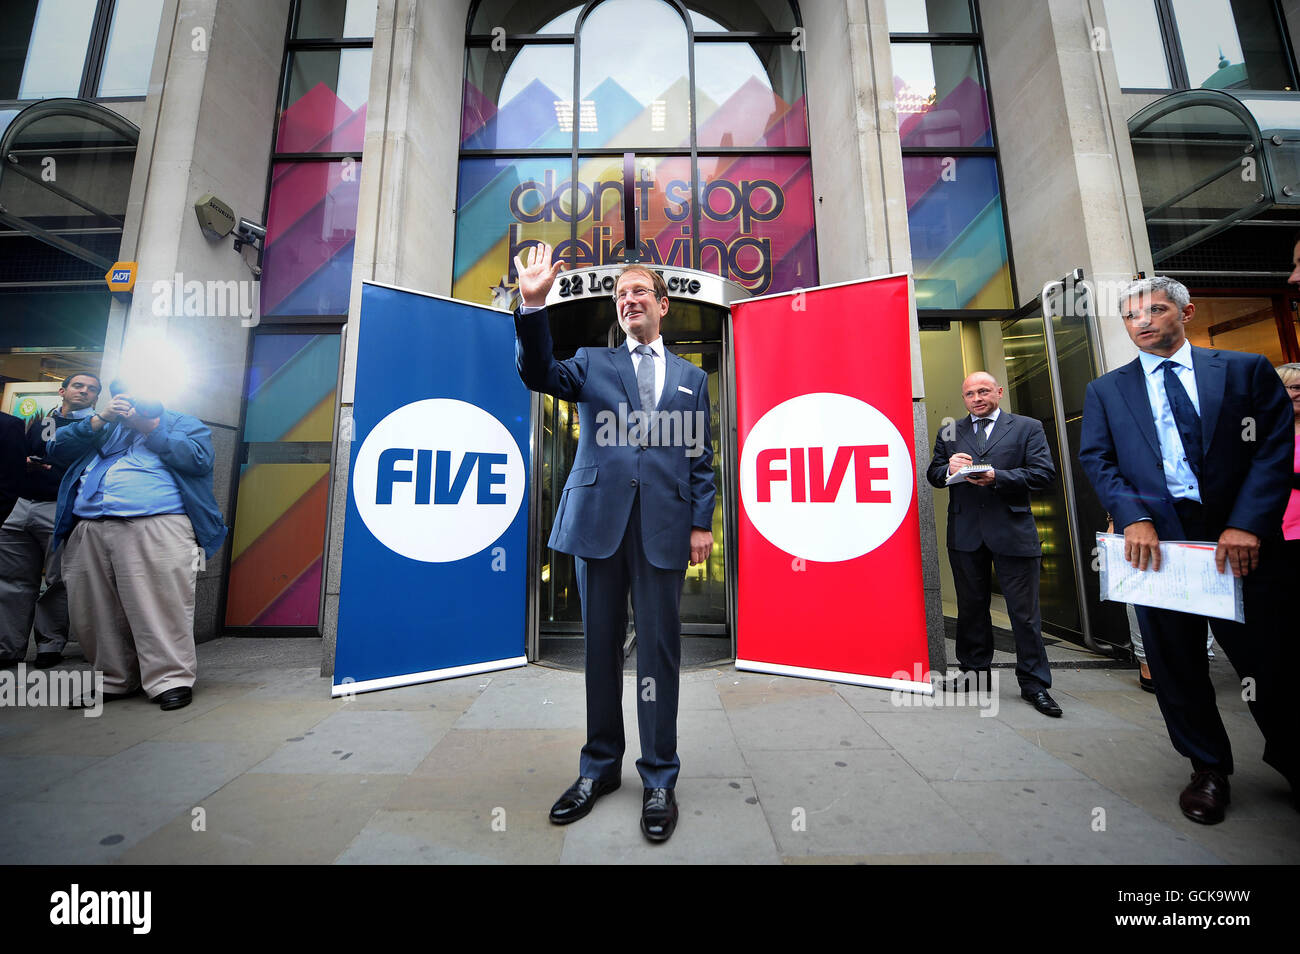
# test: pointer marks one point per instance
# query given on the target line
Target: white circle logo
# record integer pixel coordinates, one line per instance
(826, 477)
(438, 480)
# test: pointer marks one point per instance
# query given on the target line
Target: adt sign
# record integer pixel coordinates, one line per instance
(438, 480)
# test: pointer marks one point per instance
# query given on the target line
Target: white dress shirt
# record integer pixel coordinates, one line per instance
(657, 355)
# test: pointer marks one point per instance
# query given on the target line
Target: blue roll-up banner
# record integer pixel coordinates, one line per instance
(435, 542)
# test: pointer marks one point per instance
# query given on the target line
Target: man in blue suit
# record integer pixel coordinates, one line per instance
(636, 509)
(1188, 443)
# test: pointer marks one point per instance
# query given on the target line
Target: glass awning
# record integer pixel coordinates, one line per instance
(1208, 160)
(65, 174)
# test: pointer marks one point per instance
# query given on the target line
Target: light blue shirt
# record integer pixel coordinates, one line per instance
(137, 484)
(1178, 473)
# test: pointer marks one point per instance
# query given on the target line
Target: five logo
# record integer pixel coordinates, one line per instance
(438, 480)
(826, 477)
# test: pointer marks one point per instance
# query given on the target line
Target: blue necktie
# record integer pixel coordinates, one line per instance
(1185, 416)
(95, 476)
(982, 432)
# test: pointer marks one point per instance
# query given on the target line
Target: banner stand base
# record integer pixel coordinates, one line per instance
(830, 675)
(431, 675)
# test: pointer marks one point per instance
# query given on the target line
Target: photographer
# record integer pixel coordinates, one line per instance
(135, 505)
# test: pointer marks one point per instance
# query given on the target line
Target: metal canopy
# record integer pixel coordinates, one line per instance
(65, 173)
(1208, 160)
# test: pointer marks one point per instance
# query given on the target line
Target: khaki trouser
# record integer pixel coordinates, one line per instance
(131, 599)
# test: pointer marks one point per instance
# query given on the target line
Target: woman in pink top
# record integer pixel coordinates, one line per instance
(1290, 375)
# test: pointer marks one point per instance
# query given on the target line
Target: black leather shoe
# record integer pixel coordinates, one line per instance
(1040, 700)
(177, 698)
(579, 797)
(47, 660)
(1206, 797)
(658, 813)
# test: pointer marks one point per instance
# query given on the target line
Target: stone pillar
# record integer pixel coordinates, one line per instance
(862, 203)
(1070, 182)
(406, 216)
(206, 126)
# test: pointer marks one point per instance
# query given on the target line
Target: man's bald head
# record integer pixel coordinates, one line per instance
(981, 393)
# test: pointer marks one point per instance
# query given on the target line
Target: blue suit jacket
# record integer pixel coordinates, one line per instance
(1246, 430)
(677, 489)
(997, 516)
(182, 442)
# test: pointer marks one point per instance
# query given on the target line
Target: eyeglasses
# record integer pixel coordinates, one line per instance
(1292, 387)
(636, 291)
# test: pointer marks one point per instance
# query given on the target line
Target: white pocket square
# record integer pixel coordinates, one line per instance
(687, 390)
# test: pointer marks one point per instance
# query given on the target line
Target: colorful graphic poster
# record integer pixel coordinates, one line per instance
(829, 557)
(435, 544)
(755, 212)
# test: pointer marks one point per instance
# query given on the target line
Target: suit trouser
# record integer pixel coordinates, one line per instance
(1018, 577)
(603, 587)
(1175, 649)
(24, 551)
(131, 596)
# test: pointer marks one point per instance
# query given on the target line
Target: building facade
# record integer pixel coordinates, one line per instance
(989, 148)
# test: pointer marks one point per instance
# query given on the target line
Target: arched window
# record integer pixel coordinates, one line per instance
(708, 96)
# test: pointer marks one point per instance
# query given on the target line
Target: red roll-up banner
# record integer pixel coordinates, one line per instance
(829, 539)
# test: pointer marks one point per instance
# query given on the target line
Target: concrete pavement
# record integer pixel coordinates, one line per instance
(265, 767)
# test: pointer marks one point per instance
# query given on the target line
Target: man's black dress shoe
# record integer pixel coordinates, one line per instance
(1206, 797)
(579, 797)
(1040, 700)
(177, 698)
(658, 813)
(47, 660)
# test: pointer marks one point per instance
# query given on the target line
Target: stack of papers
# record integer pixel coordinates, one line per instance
(1187, 581)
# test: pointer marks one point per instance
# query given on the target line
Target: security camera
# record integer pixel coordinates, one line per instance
(249, 232)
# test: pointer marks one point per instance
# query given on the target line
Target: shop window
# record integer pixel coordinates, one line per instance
(723, 173)
(1163, 45)
(82, 49)
(955, 211)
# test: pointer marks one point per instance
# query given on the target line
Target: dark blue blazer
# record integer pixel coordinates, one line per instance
(998, 516)
(677, 489)
(1246, 430)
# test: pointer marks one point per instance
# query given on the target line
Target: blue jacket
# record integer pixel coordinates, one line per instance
(677, 489)
(183, 443)
(1246, 430)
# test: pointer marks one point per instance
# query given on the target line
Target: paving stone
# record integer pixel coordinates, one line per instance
(357, 742)
(153, 772)
(270, 819)
(819, 721)
(22, 775)
(855, 801)
(465, 837)
(79, 833)
(967, 749)
(481, 769)
(1055, 821)
(528, 700)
